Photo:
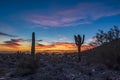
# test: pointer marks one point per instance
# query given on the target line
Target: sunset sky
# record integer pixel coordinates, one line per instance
(54, 22)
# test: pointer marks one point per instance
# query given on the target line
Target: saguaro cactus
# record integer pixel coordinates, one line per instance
(33, 45)
(79, 41)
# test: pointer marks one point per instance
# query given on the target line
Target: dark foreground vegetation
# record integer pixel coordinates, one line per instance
(108, 54)
(100, 63)
(61, 66)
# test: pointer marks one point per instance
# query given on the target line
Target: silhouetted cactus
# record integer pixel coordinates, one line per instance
(79, 41)
(33, 45)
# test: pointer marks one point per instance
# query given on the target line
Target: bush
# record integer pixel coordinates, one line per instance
(3, 71)
(26, 67)
(105, 37)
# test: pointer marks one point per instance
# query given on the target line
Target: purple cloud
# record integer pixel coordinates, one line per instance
(13, 43)
(83, 13)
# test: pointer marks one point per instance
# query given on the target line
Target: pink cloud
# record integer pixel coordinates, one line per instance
(46, 22)
(83, 13)
(62, 38)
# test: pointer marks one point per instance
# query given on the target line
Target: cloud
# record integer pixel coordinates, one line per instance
(83, 13)
(63, 46)
(13, 43)
(18, 44)
(7, 28)
(92, 42)
(39, 40)
(57, 46)
(8, 35)
(62, 37)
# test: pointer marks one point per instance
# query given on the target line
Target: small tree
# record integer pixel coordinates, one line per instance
(100, 37)
(109, 36)
(116, 32)
(105, 37)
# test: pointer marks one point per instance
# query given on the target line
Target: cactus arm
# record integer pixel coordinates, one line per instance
(76, 41)
(83, 39)
(79, 39)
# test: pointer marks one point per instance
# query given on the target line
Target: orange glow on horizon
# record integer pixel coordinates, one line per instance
(57, 47)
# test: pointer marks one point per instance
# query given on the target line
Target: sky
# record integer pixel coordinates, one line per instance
(55, 22)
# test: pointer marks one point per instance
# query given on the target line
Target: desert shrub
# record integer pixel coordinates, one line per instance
(26, 67)
(55, 58)
(3, 71)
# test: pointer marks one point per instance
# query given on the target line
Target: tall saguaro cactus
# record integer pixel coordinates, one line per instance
(33, 45)
(79, 41)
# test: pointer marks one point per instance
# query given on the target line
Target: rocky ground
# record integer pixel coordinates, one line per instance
(54, 67)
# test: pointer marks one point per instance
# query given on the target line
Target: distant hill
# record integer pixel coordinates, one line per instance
(108, 54)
